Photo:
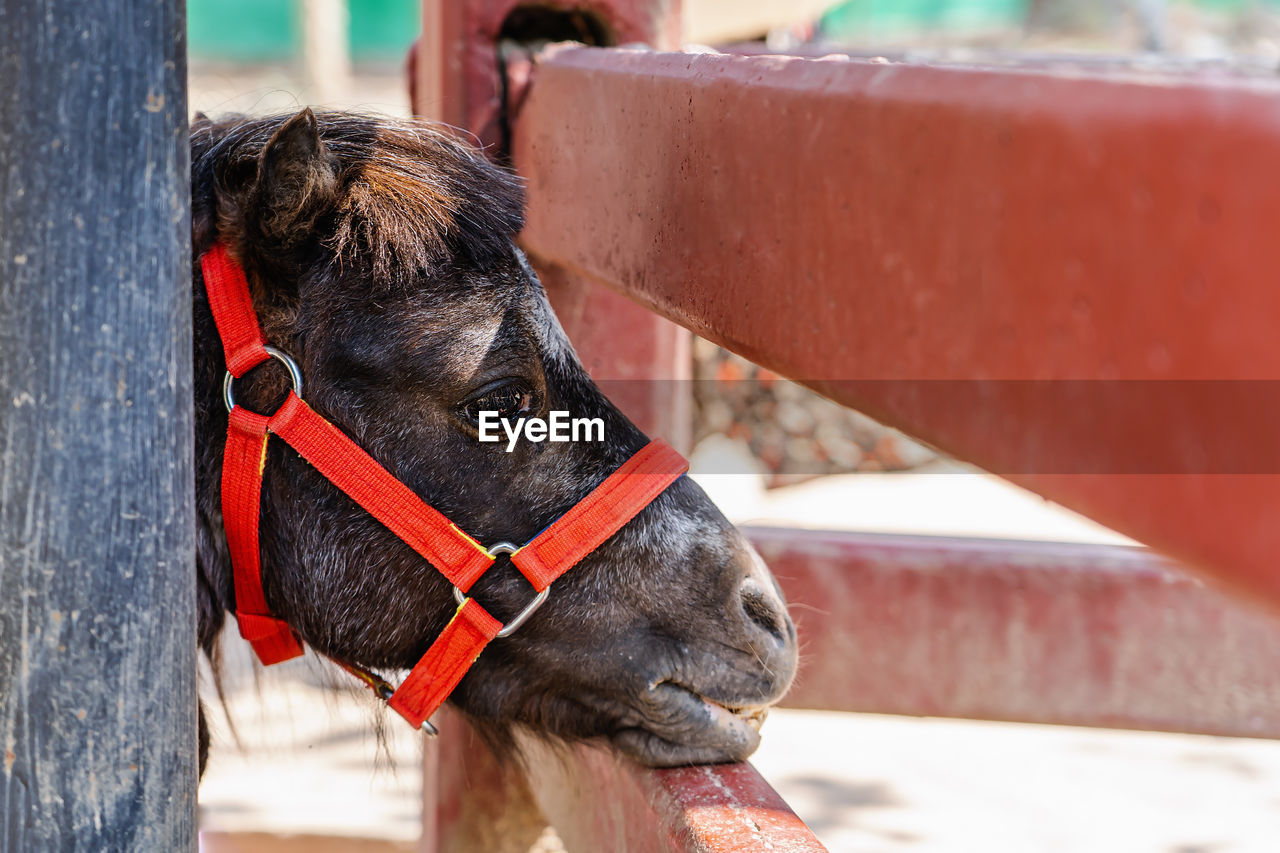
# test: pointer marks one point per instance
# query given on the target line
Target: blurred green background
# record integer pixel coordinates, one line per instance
(382, 30)
(270, 30)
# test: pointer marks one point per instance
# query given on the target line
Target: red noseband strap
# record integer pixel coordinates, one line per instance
(600, 514)
(456, 555)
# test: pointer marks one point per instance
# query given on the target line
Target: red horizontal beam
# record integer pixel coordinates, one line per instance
(596, 800)
(1050, 274)
(1025, 631)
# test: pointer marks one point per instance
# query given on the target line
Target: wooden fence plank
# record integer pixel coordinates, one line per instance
(598, 800)
(1064, 276)
(1094, 635)
(97, 577)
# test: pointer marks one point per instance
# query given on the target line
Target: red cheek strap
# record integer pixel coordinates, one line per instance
(455, 555)
(242, 463)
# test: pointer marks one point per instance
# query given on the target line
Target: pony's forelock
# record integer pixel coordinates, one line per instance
(411, 194)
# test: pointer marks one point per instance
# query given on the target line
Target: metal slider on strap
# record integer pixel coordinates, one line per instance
(529, 609)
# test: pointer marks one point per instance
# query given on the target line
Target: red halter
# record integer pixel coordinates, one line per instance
(456, 555)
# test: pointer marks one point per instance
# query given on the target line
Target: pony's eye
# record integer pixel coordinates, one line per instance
(511, 400)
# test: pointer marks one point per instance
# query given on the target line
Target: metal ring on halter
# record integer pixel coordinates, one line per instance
(428, 729)
(530, 608)
(295, 374)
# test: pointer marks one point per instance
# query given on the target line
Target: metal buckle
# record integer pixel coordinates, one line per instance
(530, 608)
(381, 688)
(295, 373)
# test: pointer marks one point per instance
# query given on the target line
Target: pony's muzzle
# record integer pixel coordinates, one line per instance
(768, 628)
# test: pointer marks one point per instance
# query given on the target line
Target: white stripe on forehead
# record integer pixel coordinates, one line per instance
(477, 336)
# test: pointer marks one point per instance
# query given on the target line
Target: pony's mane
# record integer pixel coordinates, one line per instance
(410, 194)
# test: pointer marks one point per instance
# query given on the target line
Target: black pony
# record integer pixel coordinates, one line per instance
(379, 254)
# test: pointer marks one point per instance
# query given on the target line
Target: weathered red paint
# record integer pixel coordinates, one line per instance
(596, 800)
(888, 235)
(893, 235)
(454, 65)
(1026, 631)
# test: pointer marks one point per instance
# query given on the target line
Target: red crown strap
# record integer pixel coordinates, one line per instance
(242, 464)
(600, 514)
(433, 678)
(458, 557)
(232, 308)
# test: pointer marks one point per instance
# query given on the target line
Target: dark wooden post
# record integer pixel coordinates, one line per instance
(97, 584)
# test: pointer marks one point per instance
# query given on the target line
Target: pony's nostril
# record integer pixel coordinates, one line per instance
(764, 609)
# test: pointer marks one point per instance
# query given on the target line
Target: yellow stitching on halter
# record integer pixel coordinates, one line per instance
(472, 542)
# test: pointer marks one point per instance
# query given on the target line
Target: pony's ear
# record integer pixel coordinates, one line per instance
(297, 180)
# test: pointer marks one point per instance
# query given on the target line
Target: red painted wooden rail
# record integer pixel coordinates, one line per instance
(1063, 278)
(1063, 275)
(1043, 632)
(597, 800)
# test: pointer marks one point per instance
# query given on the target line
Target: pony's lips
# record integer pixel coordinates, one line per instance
(681, 726)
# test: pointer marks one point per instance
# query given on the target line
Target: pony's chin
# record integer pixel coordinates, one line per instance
(691, 729)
